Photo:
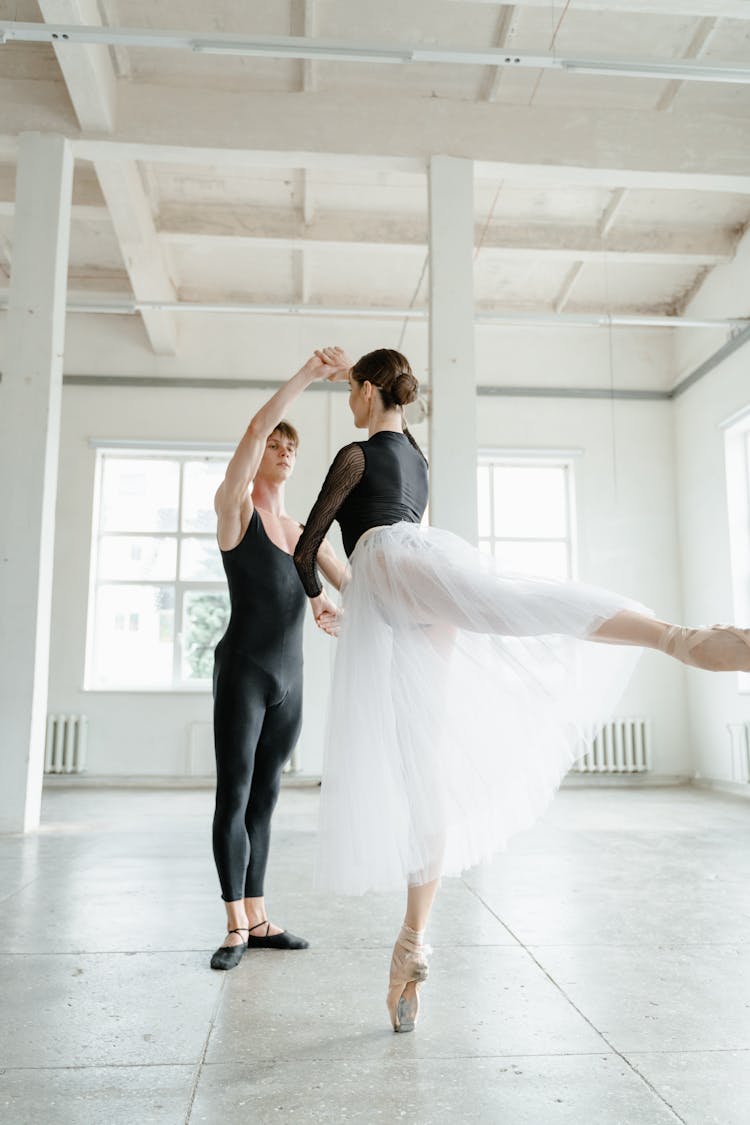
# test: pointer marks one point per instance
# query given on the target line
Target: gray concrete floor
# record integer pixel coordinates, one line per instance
(596, 974)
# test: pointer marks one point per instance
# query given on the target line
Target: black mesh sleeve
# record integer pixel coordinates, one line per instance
(344, 474)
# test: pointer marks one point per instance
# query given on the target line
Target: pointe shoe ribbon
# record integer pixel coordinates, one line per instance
(680, 642)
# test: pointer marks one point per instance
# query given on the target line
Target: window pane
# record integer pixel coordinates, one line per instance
(200, 479)
(205, 617)
(139, 495)
(483, 501)
(530, 501)
(200, 559)
(544, 560)
(137, 557)
(134, 636)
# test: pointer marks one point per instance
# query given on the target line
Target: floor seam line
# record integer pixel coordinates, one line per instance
(583, 1016)
(18, 890)
(202, 1059)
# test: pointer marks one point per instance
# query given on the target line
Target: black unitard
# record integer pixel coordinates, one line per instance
(373, 483)
(257, 704)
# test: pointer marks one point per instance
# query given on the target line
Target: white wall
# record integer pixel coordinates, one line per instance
(630, 359)
(712, 701)
(625, 492)
(627, 533)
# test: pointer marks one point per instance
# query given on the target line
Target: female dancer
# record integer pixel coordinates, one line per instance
(462, 694)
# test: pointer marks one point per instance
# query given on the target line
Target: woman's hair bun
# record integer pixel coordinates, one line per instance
(404, 388)
(389, 371)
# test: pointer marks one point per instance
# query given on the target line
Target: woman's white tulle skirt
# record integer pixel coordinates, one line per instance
(461, 696)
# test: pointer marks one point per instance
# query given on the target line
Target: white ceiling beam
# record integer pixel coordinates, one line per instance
(92, 85)
(142, 252)
(528, 173)
(308, 200)
(567, 287)
(723, 9)
(184, 224)
(309, 31)
(301, 276)
(611, 212)
(120, 55)
(87, 70)
(502, 38)
(700, 40)
(304, 25)
(602, 148)
(187, 224)
(64, 36)
(620, 147)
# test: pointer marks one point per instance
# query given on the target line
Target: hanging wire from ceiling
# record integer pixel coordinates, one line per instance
(563, 14)
(488, 220)
(426, 262)
(412, 302)
(551, 44)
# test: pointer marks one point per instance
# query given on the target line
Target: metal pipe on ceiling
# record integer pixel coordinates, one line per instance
(301, 47)
(483, 317)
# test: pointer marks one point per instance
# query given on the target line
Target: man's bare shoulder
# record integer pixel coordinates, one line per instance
(232, 523)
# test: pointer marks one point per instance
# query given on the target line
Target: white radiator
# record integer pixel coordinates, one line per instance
(200, 760)
(622, 746)
(65, 749)
(739, 735)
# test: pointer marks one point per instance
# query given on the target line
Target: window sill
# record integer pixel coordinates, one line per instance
(135, 690)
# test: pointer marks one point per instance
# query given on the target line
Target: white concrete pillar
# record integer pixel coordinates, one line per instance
(30, 398)
(453, 422)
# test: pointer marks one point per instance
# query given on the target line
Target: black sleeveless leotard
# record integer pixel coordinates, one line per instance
(257, 704)
(372, 483)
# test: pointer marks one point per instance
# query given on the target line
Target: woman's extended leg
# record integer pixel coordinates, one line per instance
(456, 586)
(484, 602)
(721, 648)
(409, 960)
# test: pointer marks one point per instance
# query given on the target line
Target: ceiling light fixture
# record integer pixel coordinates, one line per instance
(678, 71)
(300, 47)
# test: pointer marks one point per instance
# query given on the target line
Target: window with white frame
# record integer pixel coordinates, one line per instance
(737, 450)
(525, 512)
(158, 598)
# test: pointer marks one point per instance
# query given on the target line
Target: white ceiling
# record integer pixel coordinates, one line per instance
(353, 233)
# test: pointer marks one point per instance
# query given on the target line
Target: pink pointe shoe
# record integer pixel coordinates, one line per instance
(724, 647)
(408, 965)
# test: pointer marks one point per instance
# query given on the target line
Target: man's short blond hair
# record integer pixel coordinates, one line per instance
(287, 430)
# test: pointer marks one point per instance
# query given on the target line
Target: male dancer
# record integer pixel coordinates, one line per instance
(258, 663)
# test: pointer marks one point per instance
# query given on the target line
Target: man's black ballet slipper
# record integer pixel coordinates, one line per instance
(284, 940)
(228, 956)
